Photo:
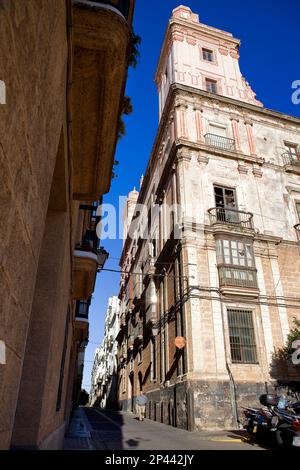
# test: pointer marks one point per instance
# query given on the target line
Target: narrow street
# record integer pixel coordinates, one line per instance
(94, 429)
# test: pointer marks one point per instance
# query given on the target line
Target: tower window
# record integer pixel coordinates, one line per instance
(211, 85)
(207, 55)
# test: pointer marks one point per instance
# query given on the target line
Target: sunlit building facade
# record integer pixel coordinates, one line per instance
(203, 312)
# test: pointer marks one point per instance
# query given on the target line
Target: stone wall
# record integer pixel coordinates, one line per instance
(34, 51)
(201, 405)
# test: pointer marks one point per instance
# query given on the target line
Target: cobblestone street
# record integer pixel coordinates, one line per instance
(94, 429)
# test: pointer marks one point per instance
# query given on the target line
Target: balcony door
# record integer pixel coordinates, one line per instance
(293, 151)
(226, 204)
(219, 131)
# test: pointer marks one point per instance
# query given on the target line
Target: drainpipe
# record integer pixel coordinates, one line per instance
(233, 397)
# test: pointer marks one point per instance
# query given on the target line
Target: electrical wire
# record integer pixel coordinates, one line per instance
(207, 288)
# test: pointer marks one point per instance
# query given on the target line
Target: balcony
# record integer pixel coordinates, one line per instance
(85, 270)
(220, 142)
(237, 277)
(291, 159)
(87, 262)
(123, 6)
(101, 48)
(220, 215)
(149, 267)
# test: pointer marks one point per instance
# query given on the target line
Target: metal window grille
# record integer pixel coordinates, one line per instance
(241, 335)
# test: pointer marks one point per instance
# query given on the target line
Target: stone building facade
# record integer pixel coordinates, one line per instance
(221, 269)
(58, 132)
(104, 372)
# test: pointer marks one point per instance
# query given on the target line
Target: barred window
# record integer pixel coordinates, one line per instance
(241, 336)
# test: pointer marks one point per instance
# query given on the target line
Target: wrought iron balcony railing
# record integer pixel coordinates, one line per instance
(220, 142)
(121, 5)
(231, 217)
(237, 277)
(291, 159)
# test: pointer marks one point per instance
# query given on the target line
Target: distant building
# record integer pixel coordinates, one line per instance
(210, 290)
(104, 373)
(64, 65)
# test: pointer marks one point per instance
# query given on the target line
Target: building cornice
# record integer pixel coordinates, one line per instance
(233, 102)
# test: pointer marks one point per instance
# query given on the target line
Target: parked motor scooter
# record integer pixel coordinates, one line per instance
(260, 421)
(287, 422)
(278, 419)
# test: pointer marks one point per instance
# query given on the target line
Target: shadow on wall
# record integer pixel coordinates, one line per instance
(284, 367)
(285, 373)
(112, 398)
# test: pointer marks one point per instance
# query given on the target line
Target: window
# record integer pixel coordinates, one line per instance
(225, 200)
(154, 246)
(153, 359)
(218, 130)
(235, 252)
(211, 85)
(236, 264)
(131, 362)
(292, 150)
(166, 76)
(124, 380)
(207, 55)
(298, 210)
(82, 308)
(225, 197)
(140, 355)
(241, 336)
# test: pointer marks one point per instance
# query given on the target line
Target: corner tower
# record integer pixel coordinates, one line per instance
(202, 57)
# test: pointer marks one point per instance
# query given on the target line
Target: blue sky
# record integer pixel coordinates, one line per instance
(269, 31)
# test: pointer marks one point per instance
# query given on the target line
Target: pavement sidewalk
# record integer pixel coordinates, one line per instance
(92, 428)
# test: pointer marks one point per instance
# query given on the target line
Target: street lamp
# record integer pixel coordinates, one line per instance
(102, 256)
